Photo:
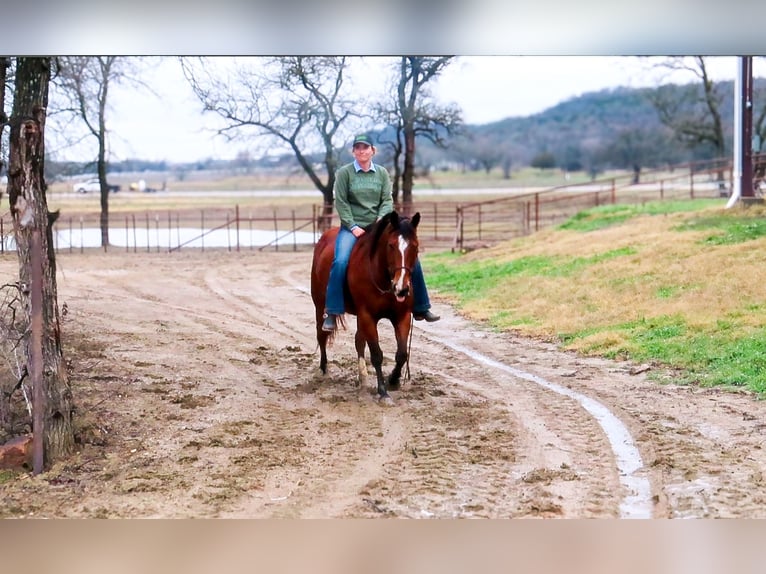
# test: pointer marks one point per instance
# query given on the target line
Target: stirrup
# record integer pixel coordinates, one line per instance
(329, 324)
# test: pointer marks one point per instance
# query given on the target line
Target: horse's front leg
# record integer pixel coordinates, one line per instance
(402, 326)
(368, 329)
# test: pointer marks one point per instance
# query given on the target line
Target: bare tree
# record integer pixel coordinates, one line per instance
(419, 114)
(32, 225)
(5, 64)
(695, 117)
(84, 82)
(301, 103)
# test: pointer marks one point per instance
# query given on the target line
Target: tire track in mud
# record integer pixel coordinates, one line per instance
(296, 470)
(205, 369)
(623, 453)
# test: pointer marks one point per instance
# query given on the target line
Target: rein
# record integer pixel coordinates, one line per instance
(375, 283)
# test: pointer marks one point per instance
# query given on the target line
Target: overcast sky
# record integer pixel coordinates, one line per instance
(170, 126)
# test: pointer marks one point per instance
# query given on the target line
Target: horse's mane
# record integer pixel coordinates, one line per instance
(376, 230)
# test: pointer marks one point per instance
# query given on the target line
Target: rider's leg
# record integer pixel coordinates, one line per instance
(334, 304)
(421, 304)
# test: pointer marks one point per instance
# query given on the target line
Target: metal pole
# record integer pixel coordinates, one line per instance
(276, 231)
(236, 214)
(746, 63)
(295, 239)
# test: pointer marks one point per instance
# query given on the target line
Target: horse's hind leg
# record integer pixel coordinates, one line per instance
(322, 340)
(360, 343)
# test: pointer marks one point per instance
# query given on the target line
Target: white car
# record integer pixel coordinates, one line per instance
(92, 185)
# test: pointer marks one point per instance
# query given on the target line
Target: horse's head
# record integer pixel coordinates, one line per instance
(401, 250)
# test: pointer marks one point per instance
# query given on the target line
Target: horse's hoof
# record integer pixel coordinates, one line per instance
(386, 400)
(394, 385)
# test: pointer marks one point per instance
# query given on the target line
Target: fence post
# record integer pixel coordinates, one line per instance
(236, 215)
(691, 183)
(127, 235)
(479, 217)
(228, 231)
(527, 217)
(537, 211)
(276, 230)
(313, 224)
(157, 230)
(147, 232)
(135, 240)
(250, 230)
(295, 239)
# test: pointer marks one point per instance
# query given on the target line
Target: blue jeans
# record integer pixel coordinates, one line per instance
(334, 304)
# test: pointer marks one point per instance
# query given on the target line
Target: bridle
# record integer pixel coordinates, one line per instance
(391, 273)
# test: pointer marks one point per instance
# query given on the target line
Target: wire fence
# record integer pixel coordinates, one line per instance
(444, 224)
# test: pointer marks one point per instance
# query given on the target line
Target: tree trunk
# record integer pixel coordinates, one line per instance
(408, 175)
(397, 175)
(29, 210)
(325, 218)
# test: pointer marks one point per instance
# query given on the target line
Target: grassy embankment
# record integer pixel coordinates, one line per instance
(677, 284)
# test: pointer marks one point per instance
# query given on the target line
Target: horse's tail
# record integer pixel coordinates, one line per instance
(341, 323)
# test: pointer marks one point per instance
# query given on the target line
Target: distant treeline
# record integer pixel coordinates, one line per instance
(616, 128)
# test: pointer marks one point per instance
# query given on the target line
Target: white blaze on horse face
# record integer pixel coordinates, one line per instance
(403, 245)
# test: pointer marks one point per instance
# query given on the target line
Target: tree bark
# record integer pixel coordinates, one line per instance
(29, 209)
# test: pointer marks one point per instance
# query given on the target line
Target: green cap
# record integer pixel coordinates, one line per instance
(362, 138)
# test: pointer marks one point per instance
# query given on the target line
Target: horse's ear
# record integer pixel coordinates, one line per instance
(393, 219)
(415, 220)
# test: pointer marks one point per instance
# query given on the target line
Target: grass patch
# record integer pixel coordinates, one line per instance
(609, 215)
(729, 227)
(636, 289)
(472, 279)
(719, 355)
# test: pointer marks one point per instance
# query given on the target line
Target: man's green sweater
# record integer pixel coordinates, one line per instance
(361, 197)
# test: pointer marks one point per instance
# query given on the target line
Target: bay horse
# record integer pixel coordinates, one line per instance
(378, 286)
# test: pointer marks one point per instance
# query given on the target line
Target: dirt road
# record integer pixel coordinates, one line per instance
(198, 395)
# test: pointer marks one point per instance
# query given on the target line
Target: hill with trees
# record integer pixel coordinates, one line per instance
(619, 128)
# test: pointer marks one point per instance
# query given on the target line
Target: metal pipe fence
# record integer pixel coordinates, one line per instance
(444, 224)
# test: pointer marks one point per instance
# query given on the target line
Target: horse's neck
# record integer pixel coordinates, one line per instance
(374, 253)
